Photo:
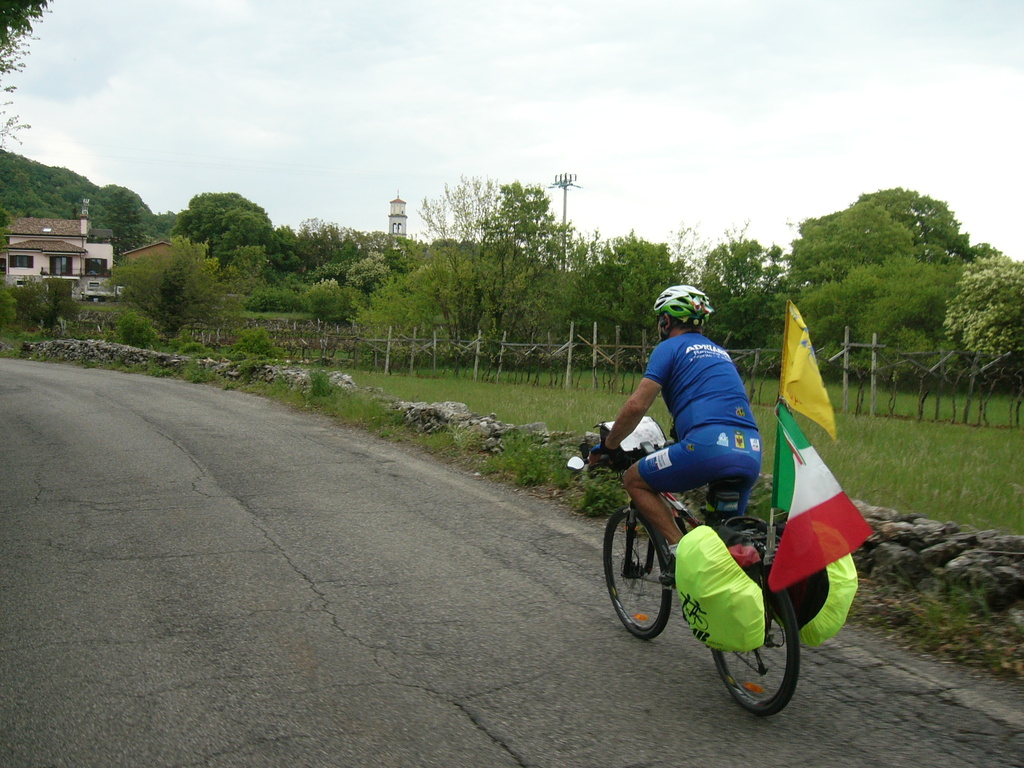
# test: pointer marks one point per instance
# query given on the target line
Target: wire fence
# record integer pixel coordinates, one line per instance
(864, 378)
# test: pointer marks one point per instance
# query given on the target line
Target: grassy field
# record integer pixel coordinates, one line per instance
(971, 475)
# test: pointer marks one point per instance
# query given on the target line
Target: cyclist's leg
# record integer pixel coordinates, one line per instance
(651, 505)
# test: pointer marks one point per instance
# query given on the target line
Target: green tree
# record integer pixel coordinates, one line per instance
(987, 313)
(46, 303)
(18, 16)
(459, 213)
(8, 307)
(405, 302)
(124, 217)
(829, 247)
(616, 285)
(935, 231)
(179, 287)
(903, 301)
(224, 221)
(330, 302)
(520, 251)
(745, 282)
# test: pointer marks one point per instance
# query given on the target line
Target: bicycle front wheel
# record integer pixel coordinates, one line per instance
(763, 681)
(632, 570)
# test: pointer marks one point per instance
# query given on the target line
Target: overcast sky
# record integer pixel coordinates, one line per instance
(672, 113)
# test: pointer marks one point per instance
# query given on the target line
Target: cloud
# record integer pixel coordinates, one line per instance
(693, 111)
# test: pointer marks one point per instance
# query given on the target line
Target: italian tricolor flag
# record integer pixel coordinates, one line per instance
(823, 523)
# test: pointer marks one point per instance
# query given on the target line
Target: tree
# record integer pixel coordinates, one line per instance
(224, 221)
(46, 303)
(176, 288)
(829, 247)
(330, 302)
(617, 284)
(935, 231)
(987, 314)
(903, 301)
(745, 282)
(124, 217)
(460, 212)
(521, 248)
(8, 307)
(17, 17)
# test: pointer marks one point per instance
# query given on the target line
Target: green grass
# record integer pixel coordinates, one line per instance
(943, 471)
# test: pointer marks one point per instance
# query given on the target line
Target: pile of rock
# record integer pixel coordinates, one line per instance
(932, 556)
(102, 352)
(106, 352)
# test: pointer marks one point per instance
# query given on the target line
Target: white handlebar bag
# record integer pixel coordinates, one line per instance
(722, 604)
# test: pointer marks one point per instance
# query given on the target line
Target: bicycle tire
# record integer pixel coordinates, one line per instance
(632, 569)
(764, 680)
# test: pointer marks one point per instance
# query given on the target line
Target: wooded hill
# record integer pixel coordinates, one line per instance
(28, 188)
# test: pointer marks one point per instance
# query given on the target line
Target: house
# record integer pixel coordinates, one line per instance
(160, 247)
(61, 248)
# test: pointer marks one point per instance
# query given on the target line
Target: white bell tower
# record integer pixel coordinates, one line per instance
(397, 219)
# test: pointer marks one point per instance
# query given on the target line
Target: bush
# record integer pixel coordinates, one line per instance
(330, 302)
(320, 384)
(135, 330)
(256, 342)
(271, 299)
(528, 461)
(602, 493)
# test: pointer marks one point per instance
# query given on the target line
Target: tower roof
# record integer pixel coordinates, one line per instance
(398, 200)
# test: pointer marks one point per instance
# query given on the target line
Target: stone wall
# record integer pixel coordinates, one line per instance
(912, 550)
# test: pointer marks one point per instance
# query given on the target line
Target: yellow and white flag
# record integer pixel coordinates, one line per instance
(800, 384)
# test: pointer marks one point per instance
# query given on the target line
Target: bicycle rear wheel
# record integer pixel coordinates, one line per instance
(763, 681)
(632, 570)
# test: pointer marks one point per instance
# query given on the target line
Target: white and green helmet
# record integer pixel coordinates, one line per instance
(685, 303)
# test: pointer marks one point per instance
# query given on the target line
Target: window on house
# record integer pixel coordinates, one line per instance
(60, 265)
(3, 266)
(95, 266)
(22, 262)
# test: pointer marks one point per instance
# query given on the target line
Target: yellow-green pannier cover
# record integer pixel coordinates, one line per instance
(722, 604)
(842, 587)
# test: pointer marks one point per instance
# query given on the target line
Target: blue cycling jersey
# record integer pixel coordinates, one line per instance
(716, 432)
(700, 383)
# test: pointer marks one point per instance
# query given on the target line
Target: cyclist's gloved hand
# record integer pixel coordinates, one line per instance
(616, 458)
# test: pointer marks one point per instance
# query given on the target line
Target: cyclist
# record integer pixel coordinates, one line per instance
(716, 435)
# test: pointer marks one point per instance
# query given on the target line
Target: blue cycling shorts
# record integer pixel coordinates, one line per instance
(705, 455)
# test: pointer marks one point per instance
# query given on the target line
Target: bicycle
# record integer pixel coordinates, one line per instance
(641, 582)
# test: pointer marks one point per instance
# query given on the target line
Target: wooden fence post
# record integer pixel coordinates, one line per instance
(615, 380)
(970, 386)
(476, 359)
(501, 355)
(568, 356)
(412, 350)
(593, 358)
(846, 371)
(387, 354)
(874, 370)
(434, 352)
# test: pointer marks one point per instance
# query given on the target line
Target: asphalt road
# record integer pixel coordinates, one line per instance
(195, 577)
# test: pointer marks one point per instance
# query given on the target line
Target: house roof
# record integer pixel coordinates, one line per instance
(56, 227)
(48, 246)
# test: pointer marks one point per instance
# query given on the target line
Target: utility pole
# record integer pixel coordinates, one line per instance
(565, 180)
